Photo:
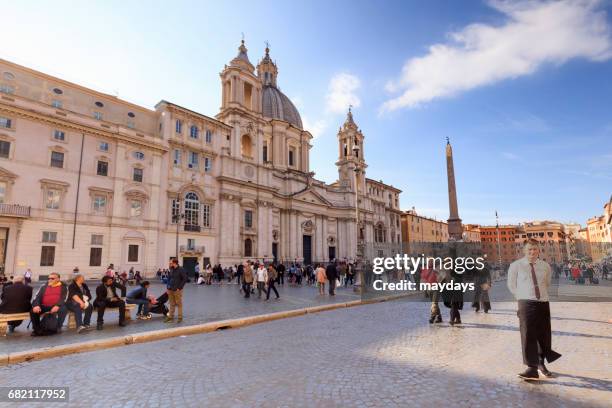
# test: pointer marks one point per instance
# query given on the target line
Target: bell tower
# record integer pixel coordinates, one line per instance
(351, 162)
(266, 69)
(241, 88)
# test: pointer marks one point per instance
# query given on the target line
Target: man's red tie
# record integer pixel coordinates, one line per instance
(535, 282)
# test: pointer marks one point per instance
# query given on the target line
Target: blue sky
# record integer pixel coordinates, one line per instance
(522, 89)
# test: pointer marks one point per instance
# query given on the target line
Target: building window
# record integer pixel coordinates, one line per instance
(179, 126)
(5, 122)
(131, 124)
(137, 175)
(248, 219)
(208, 136)
(192, 209)
(99, 204)
(57, 160)
(135, 208)
(177, 157)
(49, 237)
(97, 239)
(193, 132)
(5, 149)
(95, 256)
(102, 168)
(191, 244)
(132, 253)
(206, 216)
(138, 155)
(2, 191)
(248, 247)
(52, 201)
(291, 158)
(193, 160)
(207, 164)
(47, 256)
(175, 211)
(56, 103)
(59, 135)
(97, 115)
(7, 89)
(103, 146)
(265, 152)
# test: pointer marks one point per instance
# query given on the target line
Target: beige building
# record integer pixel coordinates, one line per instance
(471, 233)
(418, 228)
(552, 237)
(599, 232)
(87, 179)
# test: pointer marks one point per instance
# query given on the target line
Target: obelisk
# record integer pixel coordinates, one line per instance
(455, 229)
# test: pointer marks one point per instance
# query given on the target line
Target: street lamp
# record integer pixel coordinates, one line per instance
(177, 219)
(358, 286)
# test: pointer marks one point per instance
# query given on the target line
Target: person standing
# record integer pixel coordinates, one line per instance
(106, 296)
(482, 280)
(529, 279)
(79, 303)
(15, 298)
(262, 278)
(175, 285)
(332, 274)
(271, 281)
(248, 279)
(28, 276)
(281, 274)
(197, 273)
(321, 279)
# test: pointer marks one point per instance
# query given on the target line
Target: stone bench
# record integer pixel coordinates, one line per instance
(5, 318)
(128, 314)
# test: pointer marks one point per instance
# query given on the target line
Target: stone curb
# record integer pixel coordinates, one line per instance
(154, 335)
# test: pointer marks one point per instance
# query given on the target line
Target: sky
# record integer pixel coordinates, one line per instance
(523, 89)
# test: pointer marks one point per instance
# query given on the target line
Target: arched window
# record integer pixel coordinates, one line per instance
(246, 146)
(192, 209)
(248, 247)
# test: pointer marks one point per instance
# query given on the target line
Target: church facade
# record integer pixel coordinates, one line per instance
(87, 179)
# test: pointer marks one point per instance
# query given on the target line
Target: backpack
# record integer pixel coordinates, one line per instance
(48, 324)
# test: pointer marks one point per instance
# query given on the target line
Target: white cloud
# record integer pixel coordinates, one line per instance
(341, 92)
(315, 128)
(535, 33)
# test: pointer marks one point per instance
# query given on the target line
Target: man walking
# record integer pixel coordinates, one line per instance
(332, 274)
(271, 281)
(175, 285)
(529, 279)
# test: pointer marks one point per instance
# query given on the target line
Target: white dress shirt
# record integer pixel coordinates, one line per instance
(520, 281)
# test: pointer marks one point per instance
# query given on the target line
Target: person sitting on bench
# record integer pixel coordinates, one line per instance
(138, 296)
(16, 299)
(51, 298)
(106, 296)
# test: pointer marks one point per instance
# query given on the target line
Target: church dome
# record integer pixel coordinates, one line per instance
(276, 105)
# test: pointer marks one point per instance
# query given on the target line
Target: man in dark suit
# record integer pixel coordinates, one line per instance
(106, 296)
(16, 299)
(331, 272)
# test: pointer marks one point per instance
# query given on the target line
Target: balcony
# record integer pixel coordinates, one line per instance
(14, 210)
(192, 227)
(192, 249)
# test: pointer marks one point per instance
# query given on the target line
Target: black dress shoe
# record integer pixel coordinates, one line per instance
(530, 374)
(544, 371)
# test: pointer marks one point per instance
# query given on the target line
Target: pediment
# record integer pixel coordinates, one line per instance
(311, 196)
(6, 174)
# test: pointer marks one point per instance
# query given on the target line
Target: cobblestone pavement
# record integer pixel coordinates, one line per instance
(202, 304)
(378, 355)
